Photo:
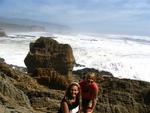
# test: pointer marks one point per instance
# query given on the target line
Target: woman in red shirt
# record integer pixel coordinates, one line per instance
(89, 92)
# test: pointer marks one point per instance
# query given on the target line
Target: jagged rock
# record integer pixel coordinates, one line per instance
(14, 88)
(83, 72)
(123, 96)
(9, 90)
(12, 99)
(46, 52)
(2, 33)
(50, 63)
(51, 78)
(47, 102)
(2, 60)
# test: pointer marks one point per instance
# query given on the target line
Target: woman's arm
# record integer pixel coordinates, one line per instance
(93, 105)
(94, 101)
(65, 107)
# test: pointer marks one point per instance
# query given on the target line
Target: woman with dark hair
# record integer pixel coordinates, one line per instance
(71, 101)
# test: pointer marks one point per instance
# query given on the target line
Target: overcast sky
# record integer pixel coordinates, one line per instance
(101, 16)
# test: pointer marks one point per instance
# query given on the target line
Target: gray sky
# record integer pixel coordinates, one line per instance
(100, 16)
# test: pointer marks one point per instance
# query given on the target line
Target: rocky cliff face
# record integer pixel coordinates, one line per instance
(27, 93)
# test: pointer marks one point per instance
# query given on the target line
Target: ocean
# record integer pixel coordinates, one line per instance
(124, 56)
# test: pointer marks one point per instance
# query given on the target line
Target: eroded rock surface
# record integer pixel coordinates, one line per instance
(46, 52)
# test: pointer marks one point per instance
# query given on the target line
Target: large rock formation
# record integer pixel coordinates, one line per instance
(50, 62)
(45, 52)
(21, 93)
(12, 98)
(2, 33)
(123, 96)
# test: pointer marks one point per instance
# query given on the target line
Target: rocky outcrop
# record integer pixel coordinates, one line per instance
(50, 62)
(12, 99)
(45, 52)
(46, 101)
(9, 94)
(123, 96)
(51, 78)
(102, 73)
(2, 33)
(22, 93)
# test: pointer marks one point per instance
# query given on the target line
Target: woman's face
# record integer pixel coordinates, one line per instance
(74, 90)
(89, 80)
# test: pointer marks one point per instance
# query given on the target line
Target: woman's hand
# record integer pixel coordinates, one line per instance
(89, 111)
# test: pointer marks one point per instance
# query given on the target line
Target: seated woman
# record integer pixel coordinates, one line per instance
(89, 92)
(71, 101)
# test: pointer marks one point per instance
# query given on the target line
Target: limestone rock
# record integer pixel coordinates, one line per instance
(51, 78)
(12, 99)
(46, 52)
(47, 102)
(115, 96)
(123, 96)
(15, 86)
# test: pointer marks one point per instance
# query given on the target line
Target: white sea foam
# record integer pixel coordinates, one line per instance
(124, 56)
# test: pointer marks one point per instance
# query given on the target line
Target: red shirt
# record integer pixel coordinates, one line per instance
(87, 90)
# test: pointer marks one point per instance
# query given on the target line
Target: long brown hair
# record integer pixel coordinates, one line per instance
(68, 95)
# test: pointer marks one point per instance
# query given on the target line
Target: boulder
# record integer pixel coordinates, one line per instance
(50, 63)
(46, 52)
